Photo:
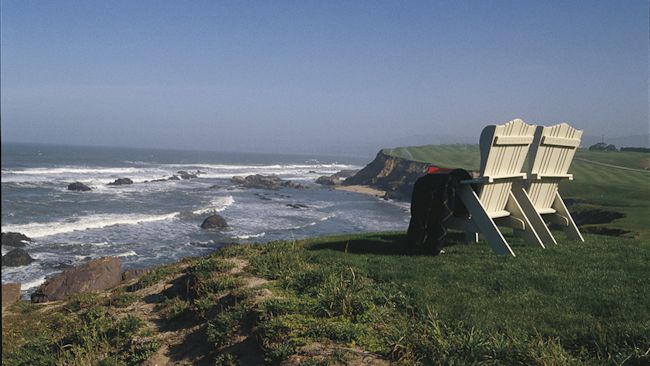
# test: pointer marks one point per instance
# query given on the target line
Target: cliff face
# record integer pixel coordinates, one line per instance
(394, 175)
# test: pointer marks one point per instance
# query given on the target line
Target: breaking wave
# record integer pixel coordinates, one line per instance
(38, 229)
(216, 205)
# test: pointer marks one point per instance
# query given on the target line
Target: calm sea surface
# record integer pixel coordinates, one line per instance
(150, 223)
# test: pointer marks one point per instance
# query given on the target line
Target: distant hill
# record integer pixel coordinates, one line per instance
(625, 141)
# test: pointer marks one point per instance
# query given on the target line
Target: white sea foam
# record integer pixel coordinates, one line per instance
(102, 175)
(99, 244)
(312, 223)
(71, 170)
(216, 205)
(126, 254)
(250, 236)
(39, 229)
(32, 284)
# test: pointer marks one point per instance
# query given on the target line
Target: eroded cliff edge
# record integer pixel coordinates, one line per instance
(392, 174)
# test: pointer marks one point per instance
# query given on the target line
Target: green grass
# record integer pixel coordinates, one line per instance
(594, 186)
(574, 303)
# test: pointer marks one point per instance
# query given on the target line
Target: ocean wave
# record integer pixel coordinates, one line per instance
(216, 205)
(250, 236)
(312, 223)
(103, 175)
(71, 170)
(38, 229)
(32, 284)
(130, 253)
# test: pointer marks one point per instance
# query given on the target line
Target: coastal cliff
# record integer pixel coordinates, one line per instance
(392, 174)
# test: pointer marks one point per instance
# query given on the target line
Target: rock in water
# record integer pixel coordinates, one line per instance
(214, 221)
(17, 240)
(121, 182)
(296, 205)
(346, 173)
(78, 186)
(16, 257)
(329, 180)
(97, 275)
(291, 184)
(185, 175)
(237, 179)
(264, 182)
(10, 293)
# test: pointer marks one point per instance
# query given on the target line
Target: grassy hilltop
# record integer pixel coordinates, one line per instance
(615, 183)
(358, 299)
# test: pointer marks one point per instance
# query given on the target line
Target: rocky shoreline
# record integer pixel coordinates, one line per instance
(386, 176)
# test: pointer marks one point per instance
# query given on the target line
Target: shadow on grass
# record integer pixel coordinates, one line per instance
(383, 244)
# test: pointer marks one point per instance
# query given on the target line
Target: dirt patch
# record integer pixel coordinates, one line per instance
(591, 219)
(603, 230)
(239, 263)
(332, 354)
(595, 216)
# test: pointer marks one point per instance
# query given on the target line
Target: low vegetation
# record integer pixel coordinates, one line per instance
(344, 299)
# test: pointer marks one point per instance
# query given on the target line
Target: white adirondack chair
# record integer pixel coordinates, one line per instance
(549, 159)
(503, 151)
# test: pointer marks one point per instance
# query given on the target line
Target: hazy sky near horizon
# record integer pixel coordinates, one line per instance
(313, 75)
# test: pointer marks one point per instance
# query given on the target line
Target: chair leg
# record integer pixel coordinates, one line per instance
(533, 216)
(471, 237)
(484, 222)
(528, 232)
(571, 230)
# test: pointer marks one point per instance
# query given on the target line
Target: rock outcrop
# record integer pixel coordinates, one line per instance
(121, 182)
(97, 275)
(214, 222)
(394, 175)
(296, 205)
(272, 182)
(15, 258)
(131, 274)
(335, 179)
(16, 240)
(329, 180)
(346, 173)
(10, 293)
(185, 175)
(78, 186)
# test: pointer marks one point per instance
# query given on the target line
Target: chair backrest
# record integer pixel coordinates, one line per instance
(503, 152)
(549, 160)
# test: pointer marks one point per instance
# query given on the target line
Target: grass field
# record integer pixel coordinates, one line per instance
(609, 181)
(328, 301)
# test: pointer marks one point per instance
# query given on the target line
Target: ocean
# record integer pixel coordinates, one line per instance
(151, 223)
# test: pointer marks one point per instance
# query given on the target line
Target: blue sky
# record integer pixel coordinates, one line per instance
(308, 76)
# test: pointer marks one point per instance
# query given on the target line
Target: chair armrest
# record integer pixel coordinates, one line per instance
(492, 179)
(534, 176)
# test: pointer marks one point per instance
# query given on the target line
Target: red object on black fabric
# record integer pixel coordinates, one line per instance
(432, 169)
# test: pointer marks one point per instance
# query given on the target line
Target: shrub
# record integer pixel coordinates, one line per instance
(173, 308)
(153, 277)
(122, 299)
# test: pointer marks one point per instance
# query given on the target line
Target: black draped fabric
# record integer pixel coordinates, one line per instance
(433, 203)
